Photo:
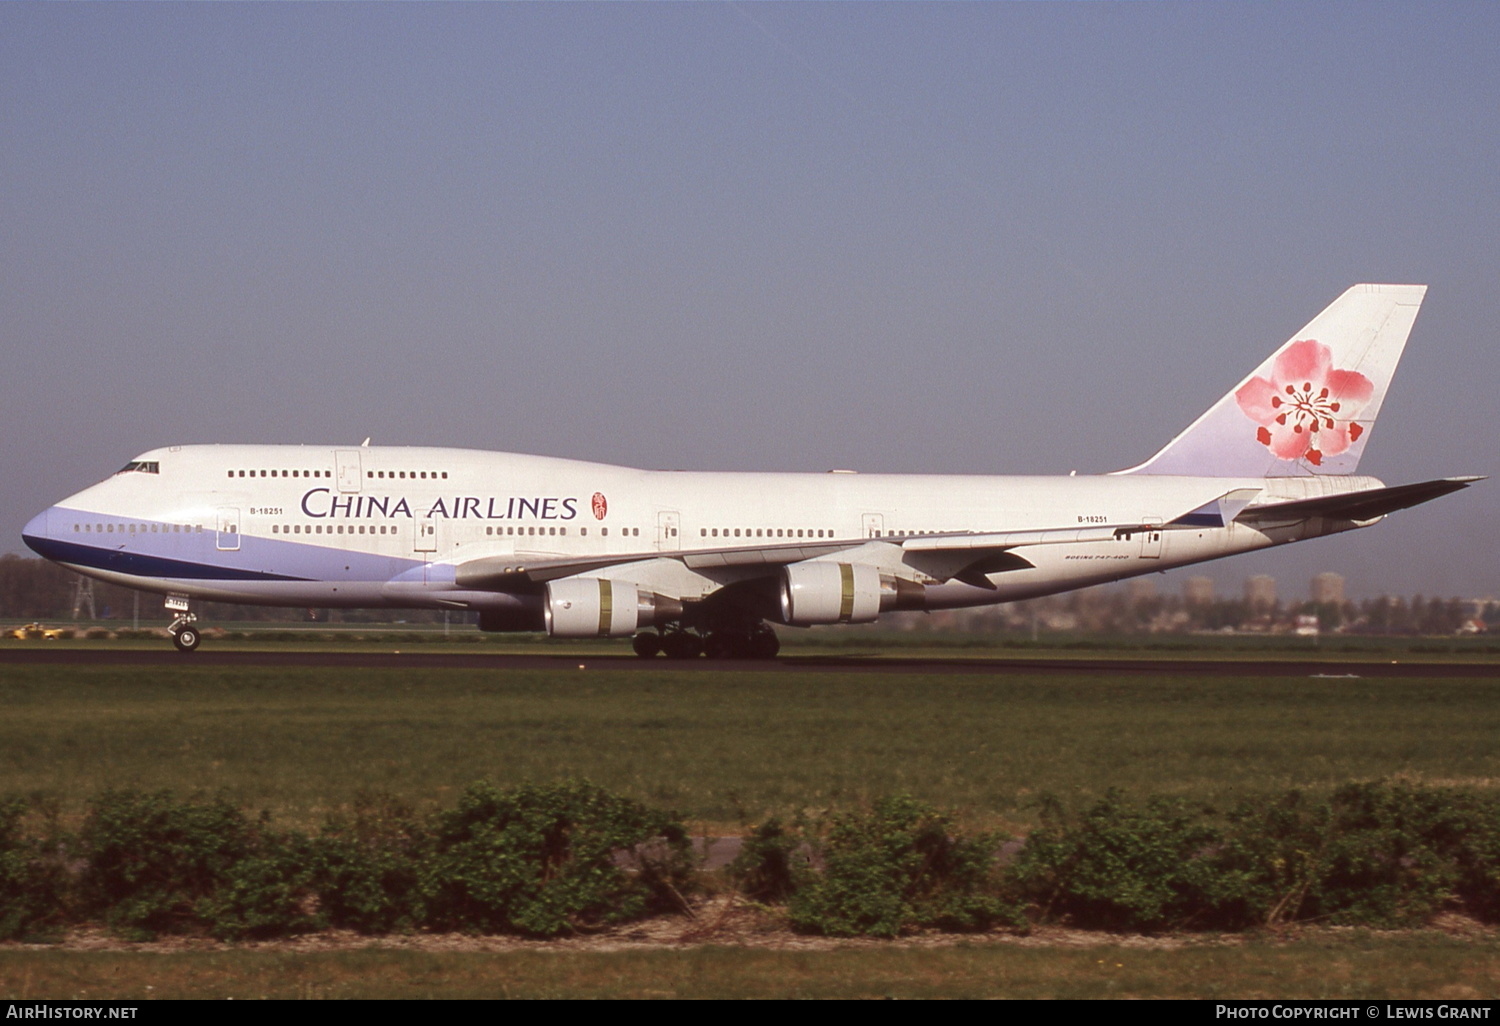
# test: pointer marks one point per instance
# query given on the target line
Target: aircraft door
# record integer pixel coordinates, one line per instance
(229, 529)
(1151, 538)
(668, 531)
(424, 536)
(349, 473)
(872, 525)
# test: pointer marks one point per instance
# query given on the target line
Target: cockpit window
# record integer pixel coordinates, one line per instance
(140, 467)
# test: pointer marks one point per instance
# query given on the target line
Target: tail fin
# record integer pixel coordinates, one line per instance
(1310, 407)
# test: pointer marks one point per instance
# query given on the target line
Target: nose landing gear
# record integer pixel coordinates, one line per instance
(185, 636)
(185, 633)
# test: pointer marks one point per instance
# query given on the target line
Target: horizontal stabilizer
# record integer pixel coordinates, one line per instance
(1365, 505)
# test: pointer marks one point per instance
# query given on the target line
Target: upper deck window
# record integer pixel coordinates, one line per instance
(140, 467)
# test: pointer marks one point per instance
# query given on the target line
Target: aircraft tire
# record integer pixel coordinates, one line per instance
(764, 644)
(646, 644)
(681, 645)
(187, 638)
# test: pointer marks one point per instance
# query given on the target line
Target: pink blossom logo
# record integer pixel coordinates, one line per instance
(1306, 409)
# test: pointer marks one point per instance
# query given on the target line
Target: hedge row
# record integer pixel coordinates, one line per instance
(537, 861)
(541, 861)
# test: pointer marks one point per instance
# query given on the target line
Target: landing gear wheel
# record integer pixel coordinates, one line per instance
(764, 644)
(186, 638)
(646, 644)
(730, 645)
(681, 645)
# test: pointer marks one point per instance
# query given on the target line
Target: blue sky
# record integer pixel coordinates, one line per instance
(967, 238)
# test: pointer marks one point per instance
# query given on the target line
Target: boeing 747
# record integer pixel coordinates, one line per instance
(687, 562)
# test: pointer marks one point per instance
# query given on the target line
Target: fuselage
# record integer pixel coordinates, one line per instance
(395, 526)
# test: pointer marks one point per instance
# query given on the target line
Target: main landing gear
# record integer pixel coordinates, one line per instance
(184, 630)
(758, 642)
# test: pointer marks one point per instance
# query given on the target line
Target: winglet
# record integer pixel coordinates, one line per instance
(1309, 408)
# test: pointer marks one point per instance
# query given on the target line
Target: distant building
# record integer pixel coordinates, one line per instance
(1140, 590)
(1328, 587)
(1198, 591)
(1260, 591)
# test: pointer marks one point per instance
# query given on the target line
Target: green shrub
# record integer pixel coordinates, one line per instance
(772, 864)
(366, 871)
(264, 894)
(32, 882)
(1373, 854)
(1477, 855)
(1391, 857)
(547, 860)
(1273, 852)
(1124, 867)
(895, 868)
(150, 860)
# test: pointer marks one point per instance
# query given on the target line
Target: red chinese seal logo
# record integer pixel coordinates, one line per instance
(600, 507)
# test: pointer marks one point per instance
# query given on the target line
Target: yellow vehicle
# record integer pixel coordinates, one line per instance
(36, 632)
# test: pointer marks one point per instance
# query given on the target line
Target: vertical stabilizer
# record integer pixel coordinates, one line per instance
(1309, 408)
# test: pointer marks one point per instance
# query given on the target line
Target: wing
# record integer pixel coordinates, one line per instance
(963, 556)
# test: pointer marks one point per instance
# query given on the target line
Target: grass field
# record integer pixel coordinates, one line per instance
(1351, 965)
(724, 749)
(727, 749)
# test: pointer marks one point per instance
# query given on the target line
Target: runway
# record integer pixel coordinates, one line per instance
(1330, 668)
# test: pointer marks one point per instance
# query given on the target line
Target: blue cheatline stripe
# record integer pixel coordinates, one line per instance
(1199, 519)
(141, 565)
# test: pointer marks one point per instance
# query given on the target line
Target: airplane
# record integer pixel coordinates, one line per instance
(690, 563)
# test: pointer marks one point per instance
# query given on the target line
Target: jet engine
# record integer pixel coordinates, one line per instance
(591, 607)
(821, 592)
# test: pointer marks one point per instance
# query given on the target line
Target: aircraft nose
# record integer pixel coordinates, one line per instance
(34, 534)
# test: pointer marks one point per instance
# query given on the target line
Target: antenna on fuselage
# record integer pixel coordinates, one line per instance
(365, 444)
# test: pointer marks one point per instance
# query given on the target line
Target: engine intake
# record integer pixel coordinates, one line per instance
(814, 593)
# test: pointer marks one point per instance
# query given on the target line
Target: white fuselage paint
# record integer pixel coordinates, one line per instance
(386, 526)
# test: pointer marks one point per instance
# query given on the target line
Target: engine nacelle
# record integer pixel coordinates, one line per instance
(591, 607)
(814, 593)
